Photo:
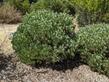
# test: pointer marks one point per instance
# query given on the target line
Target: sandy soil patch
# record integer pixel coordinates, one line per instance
(5, 35)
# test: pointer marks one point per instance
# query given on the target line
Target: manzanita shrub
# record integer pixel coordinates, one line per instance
(93, 47)
(44, 36)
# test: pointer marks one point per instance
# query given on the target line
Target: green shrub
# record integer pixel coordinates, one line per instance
(54, 5)
(90, 11)
(22, 5)
(98, 63)
(93, 46)
(44, 36)
(105, 18)
(87, 5)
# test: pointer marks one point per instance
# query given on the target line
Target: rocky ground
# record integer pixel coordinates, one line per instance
(12, 70)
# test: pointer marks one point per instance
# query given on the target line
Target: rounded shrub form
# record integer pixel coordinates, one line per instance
(94, 38)
(44, 36)
(93, 47)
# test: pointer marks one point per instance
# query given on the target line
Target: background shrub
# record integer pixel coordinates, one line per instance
(8, 14)
(105, 18)
(22, 5)
(93, 46)
(54, 5)
(90, 11)
(44, 36)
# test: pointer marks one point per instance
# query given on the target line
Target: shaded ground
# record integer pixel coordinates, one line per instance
(12, 70)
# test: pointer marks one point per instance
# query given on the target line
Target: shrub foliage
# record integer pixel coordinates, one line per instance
(22, 5)
(93, 46)
(54, 5)
(44, 36)
(91, 11)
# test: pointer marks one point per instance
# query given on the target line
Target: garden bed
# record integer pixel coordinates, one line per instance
(11, 69)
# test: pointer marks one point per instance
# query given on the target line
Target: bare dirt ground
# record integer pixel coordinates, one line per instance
(14, 71)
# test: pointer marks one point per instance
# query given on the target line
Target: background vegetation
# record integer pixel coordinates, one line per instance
(88, 11)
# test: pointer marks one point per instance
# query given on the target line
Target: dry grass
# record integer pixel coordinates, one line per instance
(8, 14)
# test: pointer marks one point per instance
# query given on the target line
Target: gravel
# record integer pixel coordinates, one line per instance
(19, 72)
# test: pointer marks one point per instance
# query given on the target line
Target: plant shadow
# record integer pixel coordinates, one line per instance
(5, 62)
(63, 65)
